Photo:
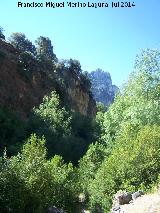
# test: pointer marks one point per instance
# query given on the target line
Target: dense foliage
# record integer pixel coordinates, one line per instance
(67, 133)
(30, 183)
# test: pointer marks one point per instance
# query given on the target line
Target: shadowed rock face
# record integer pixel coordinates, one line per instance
(78, 97)
(20, 94)
(102, 87)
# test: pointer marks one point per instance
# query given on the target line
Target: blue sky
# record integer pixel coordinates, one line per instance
(99, 38)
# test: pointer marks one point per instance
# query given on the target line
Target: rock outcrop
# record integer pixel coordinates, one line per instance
(137, 194)
(102, 87)
(144, 204)
(78, 96)
(122, 198)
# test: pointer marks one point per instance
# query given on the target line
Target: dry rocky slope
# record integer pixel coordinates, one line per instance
(143, 204)
(21, 95)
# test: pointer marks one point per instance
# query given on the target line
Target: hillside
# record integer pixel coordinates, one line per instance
(22, 89)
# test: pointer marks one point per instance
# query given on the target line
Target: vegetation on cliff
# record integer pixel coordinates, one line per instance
(44, 96)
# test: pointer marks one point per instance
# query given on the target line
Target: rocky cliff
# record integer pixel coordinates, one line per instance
(102, 87)
(21, 89)
(79, 97)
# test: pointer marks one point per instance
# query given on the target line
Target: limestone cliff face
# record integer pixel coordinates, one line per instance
(20, 91)
(80, 99)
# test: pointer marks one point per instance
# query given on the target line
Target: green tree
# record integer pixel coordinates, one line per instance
(54, 115)
(138, 103)
(19, 41)
(74, 66)
(1, 33)
(45, 49)
(33, 169)
(53, 121)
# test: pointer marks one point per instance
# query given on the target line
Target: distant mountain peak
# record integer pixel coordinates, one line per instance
(102, 87)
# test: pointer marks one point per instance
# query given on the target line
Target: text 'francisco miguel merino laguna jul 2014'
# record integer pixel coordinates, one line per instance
(75, 4)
